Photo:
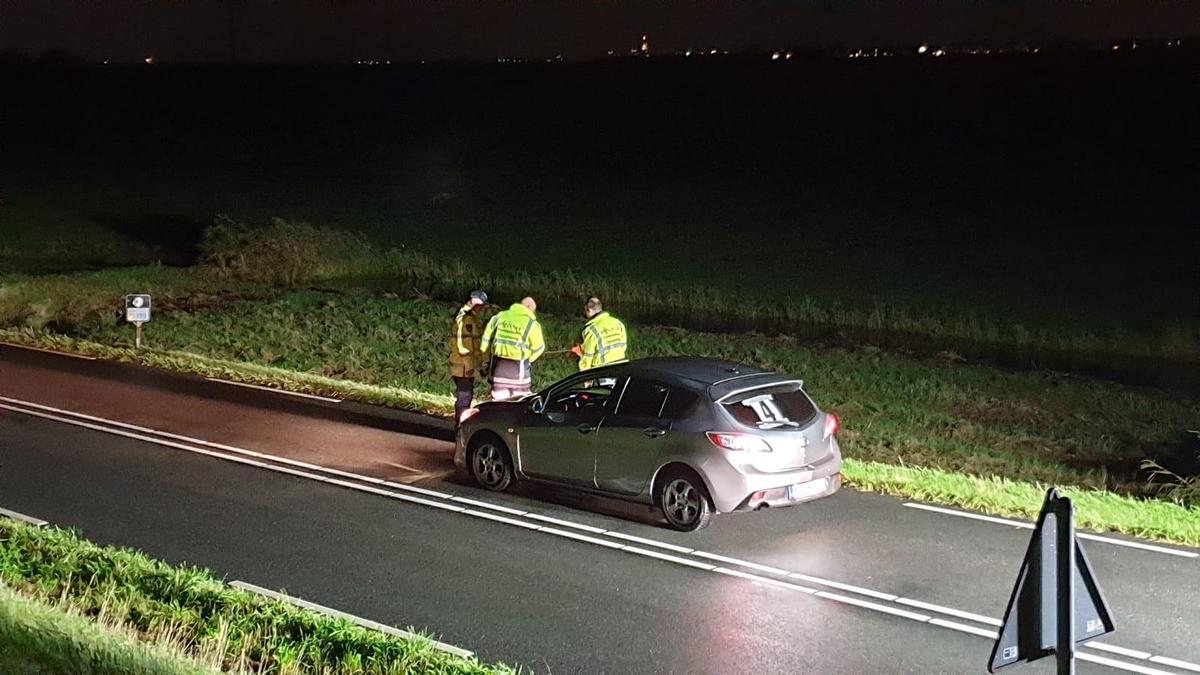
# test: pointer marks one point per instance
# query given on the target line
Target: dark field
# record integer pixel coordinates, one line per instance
(1058, 194)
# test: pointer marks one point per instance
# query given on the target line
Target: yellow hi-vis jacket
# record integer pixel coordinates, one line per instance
(514, 334)
(465, 355)
(604, 341)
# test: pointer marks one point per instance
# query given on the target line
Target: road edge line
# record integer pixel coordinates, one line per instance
(28, 520)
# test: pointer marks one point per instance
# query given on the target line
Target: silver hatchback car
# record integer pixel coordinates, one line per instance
(691, 436)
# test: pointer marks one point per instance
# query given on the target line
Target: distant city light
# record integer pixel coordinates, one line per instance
(922, 49)
(149, 60)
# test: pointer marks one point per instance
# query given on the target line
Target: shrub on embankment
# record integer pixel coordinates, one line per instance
(184, 609)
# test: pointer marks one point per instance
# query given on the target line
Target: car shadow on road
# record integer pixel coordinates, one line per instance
(574, 499)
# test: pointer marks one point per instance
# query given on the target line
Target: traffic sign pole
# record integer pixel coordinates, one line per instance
(1064, 648)
(137, 340)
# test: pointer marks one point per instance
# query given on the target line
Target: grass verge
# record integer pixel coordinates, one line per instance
(235, 371)
(1094, 509)
(186, 611)
(37, 637)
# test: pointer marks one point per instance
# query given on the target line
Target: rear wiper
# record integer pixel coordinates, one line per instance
(774, 424)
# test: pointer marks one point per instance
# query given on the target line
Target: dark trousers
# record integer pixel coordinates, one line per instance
(464, 391)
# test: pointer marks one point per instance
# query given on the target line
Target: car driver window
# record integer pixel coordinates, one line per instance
(581, 395)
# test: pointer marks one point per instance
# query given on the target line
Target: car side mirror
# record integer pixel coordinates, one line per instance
(537, 405)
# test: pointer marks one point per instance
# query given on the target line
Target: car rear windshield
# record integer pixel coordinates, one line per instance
(772, 407)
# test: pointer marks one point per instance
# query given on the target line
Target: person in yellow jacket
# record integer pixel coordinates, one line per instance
(466, 356)
(604, 338)
(514, 340)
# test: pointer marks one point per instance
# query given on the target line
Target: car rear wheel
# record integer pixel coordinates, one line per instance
(684, 501)
(491, 465)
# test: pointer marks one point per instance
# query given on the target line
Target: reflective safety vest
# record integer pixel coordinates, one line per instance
(465, 353)
(514, 334)
(604, 341)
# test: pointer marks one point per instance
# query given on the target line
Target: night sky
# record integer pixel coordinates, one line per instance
(329, 30)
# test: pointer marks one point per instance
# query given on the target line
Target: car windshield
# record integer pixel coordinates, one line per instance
(775, 407)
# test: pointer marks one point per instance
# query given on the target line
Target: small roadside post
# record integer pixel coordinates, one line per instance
(137, 312)
(1056, 603)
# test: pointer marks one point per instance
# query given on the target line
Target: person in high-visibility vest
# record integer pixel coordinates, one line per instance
(466, 356)
(604, 338)
(514, 340)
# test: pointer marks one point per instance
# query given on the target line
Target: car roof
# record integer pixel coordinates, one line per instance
(712, 376)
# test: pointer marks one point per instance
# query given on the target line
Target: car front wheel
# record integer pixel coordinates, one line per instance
(684, 501)
(491, 465)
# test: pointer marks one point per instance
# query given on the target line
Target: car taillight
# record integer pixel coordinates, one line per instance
(832, 424)
(468, 414)
(731, 441)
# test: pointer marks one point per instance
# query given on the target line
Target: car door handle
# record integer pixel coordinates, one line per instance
(654, 432)
(586, 428)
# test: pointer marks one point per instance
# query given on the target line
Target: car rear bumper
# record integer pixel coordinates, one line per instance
(735, 488)
(781, 496)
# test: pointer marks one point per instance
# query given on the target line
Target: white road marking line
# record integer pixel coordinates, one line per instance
(228, 448)
(742, 563)
(765, 580)
(502, 519)
(277, 391)
(49, 351)
(964, 628)
(871, 605)
(1175, 663)
(444, 505)
(240, 460)
(1113, 663)
(30, 520)
(580, 537)
(1029, 526)
(649, 542)
(1138, 545)
(968, 514)
(1131, 653)
(669, 558)
(949, 611)
(566, 523)
(410, 488)
(365, 623)
(493, 507)
(845, 587)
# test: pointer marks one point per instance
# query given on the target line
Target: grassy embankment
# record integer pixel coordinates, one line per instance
(931, 428)
(67, 605)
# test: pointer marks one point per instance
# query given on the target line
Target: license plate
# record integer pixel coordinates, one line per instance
(803, 490)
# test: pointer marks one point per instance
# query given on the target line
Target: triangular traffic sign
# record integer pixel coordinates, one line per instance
(1030, 624)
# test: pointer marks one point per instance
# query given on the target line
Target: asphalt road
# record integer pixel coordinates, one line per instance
(719, 603)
